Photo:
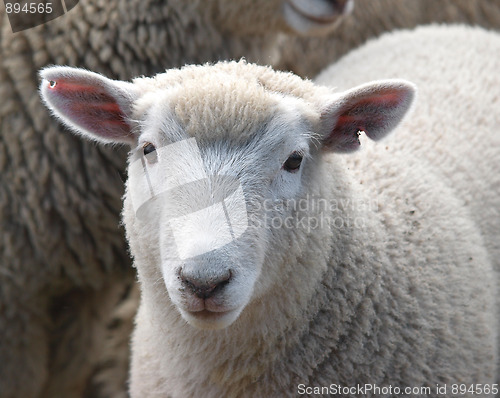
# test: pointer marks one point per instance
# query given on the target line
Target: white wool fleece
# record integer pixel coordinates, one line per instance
(362, 262)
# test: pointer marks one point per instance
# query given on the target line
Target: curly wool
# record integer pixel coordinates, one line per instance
(456, 118)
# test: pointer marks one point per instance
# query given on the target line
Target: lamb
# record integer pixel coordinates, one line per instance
(276, 260)
(308, 56)
(64, 268)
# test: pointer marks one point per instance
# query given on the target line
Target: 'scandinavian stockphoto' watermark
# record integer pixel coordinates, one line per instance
(212, 209)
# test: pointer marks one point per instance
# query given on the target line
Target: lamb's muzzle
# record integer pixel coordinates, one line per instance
(201, 285)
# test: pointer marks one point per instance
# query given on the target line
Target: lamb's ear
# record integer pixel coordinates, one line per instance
(89, 104)
(375, 108)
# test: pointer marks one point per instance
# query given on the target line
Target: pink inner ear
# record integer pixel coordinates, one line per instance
(388, 98)
(372, 113)
(91, 108)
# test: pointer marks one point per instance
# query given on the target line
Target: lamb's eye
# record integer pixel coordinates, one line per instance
(293, 162)
(149, 151)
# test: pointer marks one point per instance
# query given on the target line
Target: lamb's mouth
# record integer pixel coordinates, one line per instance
(206, 319)
(209, 315)
(324, 12)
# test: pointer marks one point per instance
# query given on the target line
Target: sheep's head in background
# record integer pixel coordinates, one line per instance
(302, 17)
(310, 17)
(211, 146)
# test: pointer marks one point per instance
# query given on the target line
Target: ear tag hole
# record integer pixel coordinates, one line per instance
(52, 84)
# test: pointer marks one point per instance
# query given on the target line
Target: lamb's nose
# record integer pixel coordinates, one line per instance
(205, 287)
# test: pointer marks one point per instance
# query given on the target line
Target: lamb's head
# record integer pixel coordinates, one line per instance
(210, 147)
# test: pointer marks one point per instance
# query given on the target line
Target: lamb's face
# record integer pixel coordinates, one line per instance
(201, 187)
(212, 148)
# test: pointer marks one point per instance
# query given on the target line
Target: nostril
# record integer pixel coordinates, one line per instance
(205, 287)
